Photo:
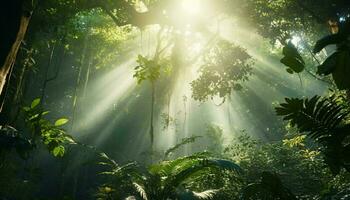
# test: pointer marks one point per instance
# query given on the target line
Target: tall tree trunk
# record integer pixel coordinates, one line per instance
(12, 53)
(76, 91)
(17, 98)
(184, 100)
(56, 65)
(47, 70)
(151, 131)
(87, 75)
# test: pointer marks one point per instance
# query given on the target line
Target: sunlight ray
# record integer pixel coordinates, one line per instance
(106, 95)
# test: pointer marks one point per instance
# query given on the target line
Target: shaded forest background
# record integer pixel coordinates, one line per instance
(162, 99)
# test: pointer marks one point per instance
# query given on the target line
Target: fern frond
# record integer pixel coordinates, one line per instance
(208, 194)
(191, 171)
(318, 116)
(183, 142)
(141, 191)
(167, 168)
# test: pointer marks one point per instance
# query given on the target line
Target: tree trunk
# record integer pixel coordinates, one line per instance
(87, 75)
(47, 70)
(151, 131)
(78, 82)
(11, 56)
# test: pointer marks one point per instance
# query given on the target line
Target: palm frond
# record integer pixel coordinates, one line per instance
(181, 176)
(208, 194)
(167, 168)
(320, 117)
(224, 164)
(141, 190)
(108, 159)
(183, 142)
(129, 169)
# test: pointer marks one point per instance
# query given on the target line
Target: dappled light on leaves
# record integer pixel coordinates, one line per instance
(226, 67)
(175, 99)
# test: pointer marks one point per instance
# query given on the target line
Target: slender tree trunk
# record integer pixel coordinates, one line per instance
(5, 94)
(76, 92)
(168, 117)
(18, 92)
(87, 76)
(47, 69)
(184, 99)
(229, 115)
(56, 65)
(16, 100)
(151, 131)
(11, 56)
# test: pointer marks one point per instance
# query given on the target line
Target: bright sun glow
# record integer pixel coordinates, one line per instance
(192, 7)
(296, 40)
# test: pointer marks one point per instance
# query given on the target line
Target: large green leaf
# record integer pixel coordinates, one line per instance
(35, 103)
(61, 122)
(58, 151)
(292, 59)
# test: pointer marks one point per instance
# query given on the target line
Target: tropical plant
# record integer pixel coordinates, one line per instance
(151, 70)
(226, 67)
(50, 134)
(215, 138)
(325, 122)
(147, 70)
(299, 166)
(292, 59)
(166, 180)
(183, 142)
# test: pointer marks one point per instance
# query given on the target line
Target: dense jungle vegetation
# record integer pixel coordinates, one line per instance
(175, 99)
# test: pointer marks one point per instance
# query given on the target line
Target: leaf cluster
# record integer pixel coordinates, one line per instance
(147, 69)
(226, 67)
(50, 134)
(324, 121)
(292, 59)
(167, 179)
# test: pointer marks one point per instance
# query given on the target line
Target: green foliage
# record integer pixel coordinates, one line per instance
(149, 69)
(166, 179)
(104, 41)
(69, 24)
(168, 121)
(61, 122)
(300, 168)
(297, 141)
(50, 134)
(275, 21)
(214, 136)
(226, 67)
(318, 116)
(184, 141)
(292, 59)
(35, 103)
(324, 121)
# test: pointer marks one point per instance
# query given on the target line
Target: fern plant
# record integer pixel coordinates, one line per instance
(166, 180)
(325, 122)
